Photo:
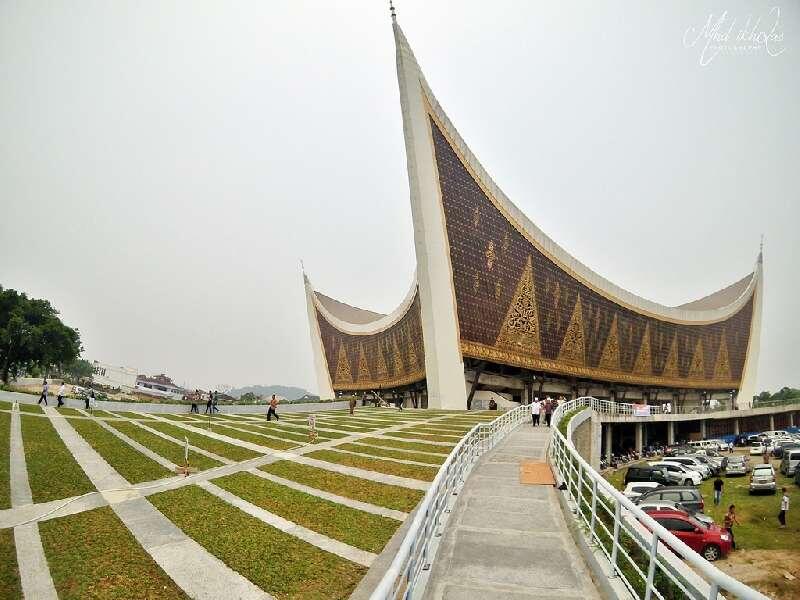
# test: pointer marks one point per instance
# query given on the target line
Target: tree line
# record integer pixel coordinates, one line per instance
(34, 340)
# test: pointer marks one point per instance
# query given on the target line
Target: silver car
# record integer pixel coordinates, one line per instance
(763, 479)
(652, 505)
(736, 466)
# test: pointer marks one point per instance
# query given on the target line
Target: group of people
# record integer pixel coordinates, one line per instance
(546, 407)
(62, 391)
(730, 517)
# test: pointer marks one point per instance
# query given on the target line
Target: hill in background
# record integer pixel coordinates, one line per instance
(285, 391)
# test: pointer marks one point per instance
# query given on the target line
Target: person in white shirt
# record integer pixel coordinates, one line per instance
(784, 508)
(62, 391)
(536, 409)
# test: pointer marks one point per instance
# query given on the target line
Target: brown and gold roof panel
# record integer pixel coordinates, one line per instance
(389, 358)
(517, 306)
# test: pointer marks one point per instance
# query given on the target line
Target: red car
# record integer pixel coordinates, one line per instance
(710, 541)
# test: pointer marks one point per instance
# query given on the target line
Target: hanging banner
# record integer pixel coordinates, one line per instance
(641, 410)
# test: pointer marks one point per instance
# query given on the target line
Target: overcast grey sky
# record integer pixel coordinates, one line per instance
(165, 165)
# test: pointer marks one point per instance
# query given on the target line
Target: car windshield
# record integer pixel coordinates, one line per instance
(762, 470)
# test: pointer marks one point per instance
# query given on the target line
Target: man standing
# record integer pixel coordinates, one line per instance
(536, 408)
(214, 403)
(62, 391)
(718, 483)
(273, 406)
(208, 403)
(784, 508)
(352, 405)
(728, 521)
(45, 387)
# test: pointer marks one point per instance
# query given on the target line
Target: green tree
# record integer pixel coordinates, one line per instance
(78, 369)
(32, 335)
(249, 398)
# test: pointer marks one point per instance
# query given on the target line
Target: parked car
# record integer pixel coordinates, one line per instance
(712, 542)
(797, 476)
(757, 448)
(763, 479)
(737, 465)
(636, 488)
(692, 463)
(687, 496)
(646, 473)
(790, 460)
(649, 506)
(781, 446)
(713, 466)
(679, 474)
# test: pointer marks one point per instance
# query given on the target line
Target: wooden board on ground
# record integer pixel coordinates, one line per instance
(534, 472)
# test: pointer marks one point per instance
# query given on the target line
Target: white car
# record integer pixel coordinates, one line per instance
(763, 479)
(692, 463)
(680, 474)
(636, 488)
(757, 449)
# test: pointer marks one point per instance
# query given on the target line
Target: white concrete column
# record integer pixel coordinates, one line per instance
(639, 437)
(703, 429)
(791, 419)
(670, 432)
(772, 422)
(736, 427)
(609, 439)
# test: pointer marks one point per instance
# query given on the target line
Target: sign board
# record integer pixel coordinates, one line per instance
(641, 410)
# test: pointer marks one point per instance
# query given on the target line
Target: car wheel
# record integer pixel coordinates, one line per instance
(687, 482)
(711, 552)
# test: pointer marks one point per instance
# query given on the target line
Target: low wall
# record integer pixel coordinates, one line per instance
(148, 407)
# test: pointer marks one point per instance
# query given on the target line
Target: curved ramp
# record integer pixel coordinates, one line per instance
(506, 539)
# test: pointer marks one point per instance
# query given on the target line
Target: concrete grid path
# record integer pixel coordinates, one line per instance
(505, 539)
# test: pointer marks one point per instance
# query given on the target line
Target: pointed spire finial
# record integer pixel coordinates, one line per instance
(391, 10)
(761, 249)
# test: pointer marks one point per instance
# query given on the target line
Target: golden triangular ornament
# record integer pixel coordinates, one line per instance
(610, 358)
(643, 364)
(363, 368)
(520, 329)
(722, 366)
(573, 347)
(697, 368)
(343, 373)
(671, 364)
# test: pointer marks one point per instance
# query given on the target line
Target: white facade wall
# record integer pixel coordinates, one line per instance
(113, 376)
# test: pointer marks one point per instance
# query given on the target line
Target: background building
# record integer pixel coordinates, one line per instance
(497, 307)
(123, 378)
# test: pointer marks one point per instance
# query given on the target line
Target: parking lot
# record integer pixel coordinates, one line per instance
(764, 553)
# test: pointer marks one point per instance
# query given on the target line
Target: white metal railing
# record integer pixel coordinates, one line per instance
(641, 552)
(413, 558)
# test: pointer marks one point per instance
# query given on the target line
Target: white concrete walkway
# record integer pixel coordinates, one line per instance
(507, 540)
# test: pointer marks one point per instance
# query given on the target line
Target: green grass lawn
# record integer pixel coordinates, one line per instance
(364, 490)
(400, 454)
(5, 476)
(375, 464)
(30, 408)
(341, 427)
(448, 434)
(422, 436)
(169, 450)
(280, 564)
(5, 405)
(255, 438)
(298, 429)
(413, 446)
(52, 471)
(103, 414)
(218, 447)
(289, 436)
(127, 461)
(357, 528)
(10, 586)
(93, 555)
(132, 415)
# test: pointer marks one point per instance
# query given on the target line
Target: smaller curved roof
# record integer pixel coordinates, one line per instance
(347, 313)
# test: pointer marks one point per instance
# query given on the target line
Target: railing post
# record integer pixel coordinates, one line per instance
(594, 509)
(615, 539)
(651, 569)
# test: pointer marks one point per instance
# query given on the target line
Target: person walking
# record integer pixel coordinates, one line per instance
(352, 405)
(548, 411)
(536, 409)
(784, 509)
(718, 483)
(62, 391)
(45, 387)
(728, 522)
(273, 409)
(214, 403)
(197, 395)
(208, 402)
